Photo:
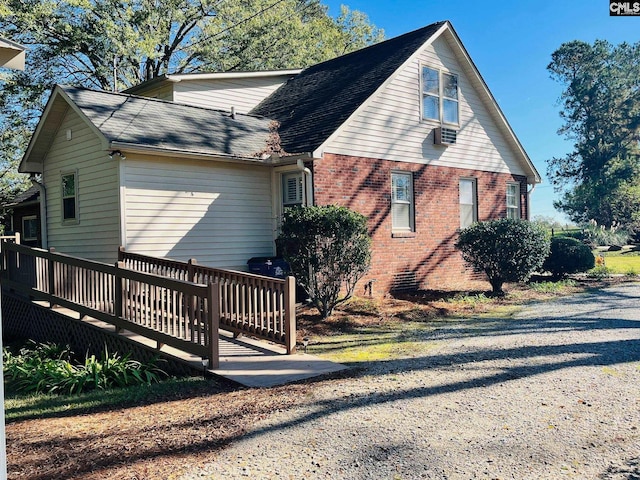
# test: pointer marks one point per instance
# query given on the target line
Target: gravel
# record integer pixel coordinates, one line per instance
(552, 393)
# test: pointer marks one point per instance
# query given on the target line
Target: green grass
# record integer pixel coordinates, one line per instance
(622, 263)
(551, 287)
(30, 406)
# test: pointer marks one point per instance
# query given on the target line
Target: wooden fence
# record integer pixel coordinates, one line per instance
(260, 306)
(170, 311)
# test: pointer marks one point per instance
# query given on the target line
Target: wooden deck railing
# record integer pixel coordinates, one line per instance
(260, 306)
(170, 311)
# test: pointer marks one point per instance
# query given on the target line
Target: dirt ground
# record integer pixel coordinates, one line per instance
(165, 436)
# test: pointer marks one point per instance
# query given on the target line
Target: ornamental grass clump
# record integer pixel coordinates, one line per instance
(506, 250)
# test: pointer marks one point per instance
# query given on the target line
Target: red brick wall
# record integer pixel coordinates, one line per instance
(426, 256)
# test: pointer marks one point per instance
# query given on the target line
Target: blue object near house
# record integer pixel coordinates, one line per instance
(269, 266)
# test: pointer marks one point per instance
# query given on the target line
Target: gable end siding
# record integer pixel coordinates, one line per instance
(389, 126)
(218, 213)
(241, 93)
(96, 235)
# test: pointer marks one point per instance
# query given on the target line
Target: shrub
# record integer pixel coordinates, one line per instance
(506, 250)
(568, 255)
(328, 249)
(49, 368)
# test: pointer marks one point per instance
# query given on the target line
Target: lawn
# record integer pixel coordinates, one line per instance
(624, 262)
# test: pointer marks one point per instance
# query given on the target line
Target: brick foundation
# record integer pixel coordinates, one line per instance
(427, 257)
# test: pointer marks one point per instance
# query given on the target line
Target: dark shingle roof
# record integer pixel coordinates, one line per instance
(157, 124)
(312, 105)
(28, 196)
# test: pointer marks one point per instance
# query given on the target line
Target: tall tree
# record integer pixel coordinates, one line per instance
(115, 44)
(601, 112)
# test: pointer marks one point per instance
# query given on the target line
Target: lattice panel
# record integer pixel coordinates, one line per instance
(23, 319)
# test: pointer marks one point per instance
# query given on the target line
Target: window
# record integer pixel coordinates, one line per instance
(468, 202)
(69, 197)
(402, 201)
(292, 189)
(513, 200)
(439, 96)
(30, 228)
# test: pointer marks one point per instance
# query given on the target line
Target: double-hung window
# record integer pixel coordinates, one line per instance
(30, 228)
(468, 202)
(402, 201)
(70, 197)
(439, 96)
(513, 200)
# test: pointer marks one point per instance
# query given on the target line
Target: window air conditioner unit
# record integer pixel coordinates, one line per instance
(445, 136)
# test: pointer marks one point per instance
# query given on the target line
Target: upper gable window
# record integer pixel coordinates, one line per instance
(439, 96)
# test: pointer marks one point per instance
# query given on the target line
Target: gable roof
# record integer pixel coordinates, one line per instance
(312, 105)
(131, 123)
(12, 54)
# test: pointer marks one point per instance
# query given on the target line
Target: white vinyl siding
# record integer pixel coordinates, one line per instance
(402, 201)
(218, 213)
(389, 126)
(513, 200)
(95, 233)
(241, 93)
(468, 202)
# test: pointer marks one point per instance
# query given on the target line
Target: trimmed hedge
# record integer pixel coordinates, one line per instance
(568, 255)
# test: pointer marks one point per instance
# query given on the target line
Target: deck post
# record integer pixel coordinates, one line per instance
(191, 271)
(214, 324)
(51, 280)
(121, 251)
(290, 314)
(118, 292)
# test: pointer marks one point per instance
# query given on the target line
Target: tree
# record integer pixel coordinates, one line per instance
(115, 44)
(506, 250)
(601, 112)
(328, 249)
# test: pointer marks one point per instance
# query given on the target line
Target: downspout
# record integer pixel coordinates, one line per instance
(529, 192)
(308, 183)
(43, 211)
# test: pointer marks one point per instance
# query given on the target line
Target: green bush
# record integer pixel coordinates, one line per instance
(49, 368)
(568, 255)
(328, 249)
(506, 250)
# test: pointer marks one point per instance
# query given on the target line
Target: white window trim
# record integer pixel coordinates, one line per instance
(76, 219)
(411, 202)
(24, 234)
(474, 182)
(441, 96)
(518, 207)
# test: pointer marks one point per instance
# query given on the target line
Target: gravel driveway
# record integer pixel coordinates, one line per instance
(552, 393)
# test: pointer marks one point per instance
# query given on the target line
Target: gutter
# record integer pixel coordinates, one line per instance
(43, 211)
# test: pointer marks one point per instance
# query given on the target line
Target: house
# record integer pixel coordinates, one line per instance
(25, 217)
(404, 131)
(12, 55)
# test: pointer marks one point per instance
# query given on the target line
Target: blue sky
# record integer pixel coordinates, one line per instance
(511, 44)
